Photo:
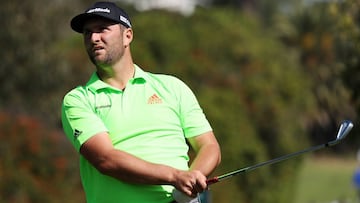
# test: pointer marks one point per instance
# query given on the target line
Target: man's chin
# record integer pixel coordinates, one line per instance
(101, 63)
(98, 60)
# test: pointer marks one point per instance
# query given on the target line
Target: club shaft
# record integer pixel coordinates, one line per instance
(344, 129)
(272, 161)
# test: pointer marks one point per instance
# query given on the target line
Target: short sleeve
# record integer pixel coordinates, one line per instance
(79, 120)
(193, 119)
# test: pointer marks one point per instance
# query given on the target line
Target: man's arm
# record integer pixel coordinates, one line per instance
(208, 155)
(207, 158)
(99, 151)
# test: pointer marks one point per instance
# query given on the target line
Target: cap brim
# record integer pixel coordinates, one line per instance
(77, 23)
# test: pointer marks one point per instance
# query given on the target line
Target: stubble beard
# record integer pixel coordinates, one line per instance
(108, 59)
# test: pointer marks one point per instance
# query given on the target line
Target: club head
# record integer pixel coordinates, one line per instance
(344, 129)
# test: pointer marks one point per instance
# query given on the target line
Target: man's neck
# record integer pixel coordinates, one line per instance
(117, 75)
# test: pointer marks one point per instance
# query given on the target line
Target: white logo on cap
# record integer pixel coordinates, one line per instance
(103, 10)
(125, 20)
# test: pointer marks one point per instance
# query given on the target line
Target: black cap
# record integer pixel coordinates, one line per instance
(108, 10)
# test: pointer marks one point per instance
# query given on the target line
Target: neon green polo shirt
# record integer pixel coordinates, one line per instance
(150, 119)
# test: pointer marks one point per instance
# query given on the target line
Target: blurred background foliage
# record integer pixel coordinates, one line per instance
(273, 77)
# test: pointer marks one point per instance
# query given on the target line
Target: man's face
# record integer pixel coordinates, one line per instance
(103, 41)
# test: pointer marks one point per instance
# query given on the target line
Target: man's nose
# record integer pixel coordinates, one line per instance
(95, 37)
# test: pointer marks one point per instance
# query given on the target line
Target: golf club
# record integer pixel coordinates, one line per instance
(344, 129)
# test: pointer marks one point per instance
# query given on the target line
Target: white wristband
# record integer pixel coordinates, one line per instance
(180, 197)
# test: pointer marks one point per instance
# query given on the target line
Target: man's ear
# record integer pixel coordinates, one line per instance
(127, 36)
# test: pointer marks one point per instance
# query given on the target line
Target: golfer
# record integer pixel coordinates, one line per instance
(131, 127)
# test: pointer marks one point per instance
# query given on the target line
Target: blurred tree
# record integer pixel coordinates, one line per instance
(240, 4)
(35, 164)
(317, 39)
(346, 15)
(266, 10)
(32, 66)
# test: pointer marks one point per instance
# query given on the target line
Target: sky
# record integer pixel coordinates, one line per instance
(186, 7)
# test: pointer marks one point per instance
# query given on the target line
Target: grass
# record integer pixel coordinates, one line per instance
(326, 180)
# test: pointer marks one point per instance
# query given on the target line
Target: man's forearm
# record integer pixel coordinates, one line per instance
(207, 159)
(128, 168)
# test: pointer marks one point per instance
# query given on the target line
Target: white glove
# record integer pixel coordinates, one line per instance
(180, 197)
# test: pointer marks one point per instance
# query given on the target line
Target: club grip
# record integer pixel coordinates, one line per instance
(212, 180)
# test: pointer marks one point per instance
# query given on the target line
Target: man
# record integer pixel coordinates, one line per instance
(130, 126)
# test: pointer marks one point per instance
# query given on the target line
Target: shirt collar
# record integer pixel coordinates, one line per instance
(139, 76)
(95, 83)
